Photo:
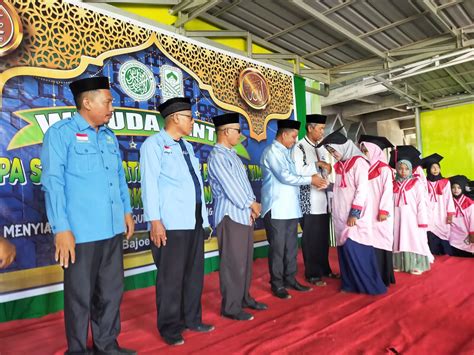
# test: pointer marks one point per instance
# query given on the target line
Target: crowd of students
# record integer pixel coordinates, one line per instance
(389, 216)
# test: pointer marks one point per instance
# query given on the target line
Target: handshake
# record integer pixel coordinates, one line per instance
(317, 180)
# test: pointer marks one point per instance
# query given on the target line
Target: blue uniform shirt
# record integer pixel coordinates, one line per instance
(280, 186)
(168, 190)
(83, 180)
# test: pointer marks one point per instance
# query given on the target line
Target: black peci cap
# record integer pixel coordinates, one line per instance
(316, 118)
(173, 105)
(292, 124)
(226, 118)
(82, 85)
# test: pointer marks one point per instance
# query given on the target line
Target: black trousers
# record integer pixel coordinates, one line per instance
(283, 250)
(93, 288)
(385, 265)
(236, 258)
(438, 246)
(461, 253)
(180, 278)
(315, 245)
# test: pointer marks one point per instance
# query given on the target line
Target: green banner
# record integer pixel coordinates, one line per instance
(124, 122)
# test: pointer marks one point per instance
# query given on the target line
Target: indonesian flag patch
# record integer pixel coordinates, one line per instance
(82, 137)
(167, 149)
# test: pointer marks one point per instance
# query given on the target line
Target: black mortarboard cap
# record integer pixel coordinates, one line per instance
(405, 152)
(335, 137)
(461, 180)
(226, 118)
(316, 118)
(173, 105)
(426, 162)
(82, 85)
(381, 142)
(292, 124)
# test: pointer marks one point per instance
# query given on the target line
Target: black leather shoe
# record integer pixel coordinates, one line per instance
(202, 328)
(281, 293)
(298, 287)
(239, 316)
(258, 306)
(174, 341)
(318, 281)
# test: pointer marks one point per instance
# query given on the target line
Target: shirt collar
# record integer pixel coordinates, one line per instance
(168, 139)
(309, 141)
(280, 146)
(83, 124)
(223, 147)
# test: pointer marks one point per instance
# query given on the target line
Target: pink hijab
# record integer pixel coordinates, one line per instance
(375, 153)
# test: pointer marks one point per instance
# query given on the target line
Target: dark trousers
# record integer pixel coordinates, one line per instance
(93, 288)
(180, 278)
(283, 250)
(461, 253)
(315, 245)
(385, 265)
(438, 246)
(236, 254)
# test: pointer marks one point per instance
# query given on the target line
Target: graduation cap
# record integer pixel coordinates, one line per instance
(288, 124)
(426, 162)
(173, 105)
(226, 118)
(461, 180)
(316, 118)
(82, 85)
(381, 142)
(405, 152)
(335, 137)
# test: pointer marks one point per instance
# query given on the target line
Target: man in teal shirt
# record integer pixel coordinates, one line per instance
(88, 208)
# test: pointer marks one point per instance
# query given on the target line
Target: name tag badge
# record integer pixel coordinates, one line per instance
(82, 137)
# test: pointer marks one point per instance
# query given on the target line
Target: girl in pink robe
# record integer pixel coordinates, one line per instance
(352, 216)
(381, 191)
(440, 206)
(461, 237)
(411, 252)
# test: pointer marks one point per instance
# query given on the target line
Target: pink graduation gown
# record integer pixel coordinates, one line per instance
(381, 191)
(463, 224)
(440, 205)
(351, 190)
(410, 219)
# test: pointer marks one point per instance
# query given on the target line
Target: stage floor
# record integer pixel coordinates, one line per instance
(428, 314)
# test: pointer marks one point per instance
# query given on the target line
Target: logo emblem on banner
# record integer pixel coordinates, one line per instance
(171, 82)
(137, 80)
(11, 30)
(253, 88)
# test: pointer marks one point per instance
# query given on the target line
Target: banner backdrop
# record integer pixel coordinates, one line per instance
(47, 44)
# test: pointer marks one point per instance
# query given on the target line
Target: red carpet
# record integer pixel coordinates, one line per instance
(428, 314)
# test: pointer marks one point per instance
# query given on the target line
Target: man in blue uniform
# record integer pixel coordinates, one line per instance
(173, 203)
(88, 207)
(281, 207)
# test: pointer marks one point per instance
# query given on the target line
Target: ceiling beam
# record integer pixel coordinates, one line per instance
(371, 99)
(457, 79)
(227, 8)
(363, 108)
(407, 124)
(334, 25)
(386, 116)
(198, 6)
(439, 17)
(353, 92)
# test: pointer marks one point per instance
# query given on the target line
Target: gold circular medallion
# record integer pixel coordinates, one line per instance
(253, 88)
(11, 30)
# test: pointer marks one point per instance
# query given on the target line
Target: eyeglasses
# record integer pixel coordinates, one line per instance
(236, 129)
(189, 117)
